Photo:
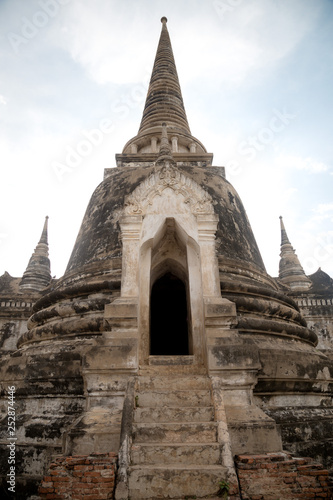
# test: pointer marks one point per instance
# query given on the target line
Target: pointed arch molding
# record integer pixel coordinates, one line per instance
(135, 214)
(167, 176)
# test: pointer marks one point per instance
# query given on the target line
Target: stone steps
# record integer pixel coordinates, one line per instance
(175, 432)
(176, 453)
(169, 398)
(174, 414)
(152, 482)
(174, 383)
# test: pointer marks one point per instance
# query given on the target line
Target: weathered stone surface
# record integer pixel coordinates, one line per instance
(306, 431)
(99, 242)
(175, 432)
(248, 372)
(180, 455)
(176, 398)
(189, 453)
(192, 413)
(151, 482)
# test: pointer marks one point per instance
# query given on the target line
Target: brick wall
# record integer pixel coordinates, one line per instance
(278, 476)
(275, 476)
(80, 478)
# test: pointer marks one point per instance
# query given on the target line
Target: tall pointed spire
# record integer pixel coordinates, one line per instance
(291, 272)
(37, 276)
(164, 104)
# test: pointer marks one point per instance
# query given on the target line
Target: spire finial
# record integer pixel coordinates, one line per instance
(284, 236)
(164, 20)
(43, 238)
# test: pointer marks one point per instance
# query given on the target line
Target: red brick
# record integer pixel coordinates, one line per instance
(107, 472)
(105, 479)
(289, 480)
(250, 470)
(301, 461)
(85, 480)
(105, 486)
(314, 472)
(244, 458)
(243, 466)
(95, 497)
(286, 463)
(92, 473)
(306, 480)
(269, 466)
(48, 484)
(71, 465)
(78, 491)
(87, 486)
(277, 457)
(42, 490)
(77, 460)
(61, 479)
(61, 489)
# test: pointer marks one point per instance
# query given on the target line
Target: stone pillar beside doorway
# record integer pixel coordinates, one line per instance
(108, 367)
(233, 365)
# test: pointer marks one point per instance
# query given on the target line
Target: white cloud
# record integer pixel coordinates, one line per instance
(2, 100)
(316, 250)
(323, 208)
(104, 41)
(245, 41)
(310, 165)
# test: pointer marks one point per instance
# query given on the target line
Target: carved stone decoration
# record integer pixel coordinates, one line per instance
(167, 176)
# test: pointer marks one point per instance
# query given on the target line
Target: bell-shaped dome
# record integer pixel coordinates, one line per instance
(98, 242)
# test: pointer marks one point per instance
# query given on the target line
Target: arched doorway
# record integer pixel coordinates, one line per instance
(169, 325)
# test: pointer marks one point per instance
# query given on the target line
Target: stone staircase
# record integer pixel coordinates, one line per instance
(175, 452)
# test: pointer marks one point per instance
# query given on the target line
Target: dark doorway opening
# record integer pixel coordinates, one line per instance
(168, 317)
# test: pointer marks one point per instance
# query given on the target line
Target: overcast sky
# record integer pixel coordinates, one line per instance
(256, 78)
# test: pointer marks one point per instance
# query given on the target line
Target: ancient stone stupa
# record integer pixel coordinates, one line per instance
(166, 343)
